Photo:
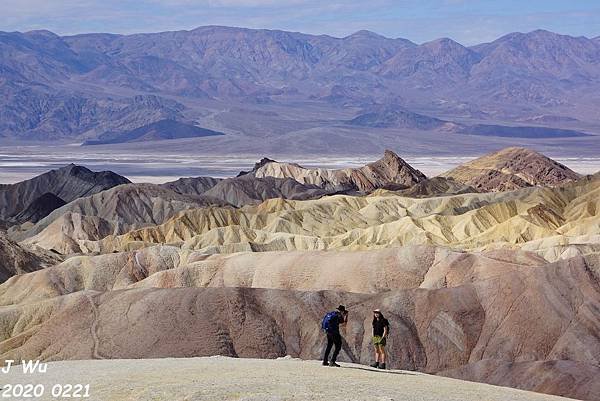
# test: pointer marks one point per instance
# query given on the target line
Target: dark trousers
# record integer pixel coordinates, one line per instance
(333, 339)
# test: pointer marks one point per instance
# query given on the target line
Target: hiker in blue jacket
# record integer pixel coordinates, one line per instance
(331, 326)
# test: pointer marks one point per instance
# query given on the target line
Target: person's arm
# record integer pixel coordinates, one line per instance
(344, 319)
(385, 330)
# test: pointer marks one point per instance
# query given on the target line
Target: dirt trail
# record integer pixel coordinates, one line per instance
(94, 328)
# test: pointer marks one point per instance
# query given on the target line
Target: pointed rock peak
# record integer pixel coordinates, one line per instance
(515, 155)
(84, 173)
(397, 170)
(365, 34)
(444, 44)
(516, 150)
(262, 162)
(542, 32)
(66, 169)
(73, 169)
(391, 155)
(445, 41)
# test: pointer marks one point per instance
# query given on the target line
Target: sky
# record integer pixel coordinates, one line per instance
(466, 21)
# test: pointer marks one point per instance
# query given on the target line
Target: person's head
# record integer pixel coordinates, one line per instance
(342, 309)
(377, 314)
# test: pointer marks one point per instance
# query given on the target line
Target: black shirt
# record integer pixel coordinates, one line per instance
(379, 325)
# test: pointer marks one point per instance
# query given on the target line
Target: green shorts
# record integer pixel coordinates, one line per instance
(379, 340)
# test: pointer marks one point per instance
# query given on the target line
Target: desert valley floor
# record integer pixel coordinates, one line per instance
(488, 272)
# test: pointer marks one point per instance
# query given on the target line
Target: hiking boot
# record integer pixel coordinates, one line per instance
(381, 366)
(334, 365)
(374, 365)
(325, 363)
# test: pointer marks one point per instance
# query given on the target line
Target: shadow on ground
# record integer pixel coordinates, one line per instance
(390, 372)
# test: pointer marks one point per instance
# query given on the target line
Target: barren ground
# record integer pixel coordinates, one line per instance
(220, 378)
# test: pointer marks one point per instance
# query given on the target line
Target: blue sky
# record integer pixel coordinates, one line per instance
(467, 21)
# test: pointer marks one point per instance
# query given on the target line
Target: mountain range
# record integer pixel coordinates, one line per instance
(112, 88)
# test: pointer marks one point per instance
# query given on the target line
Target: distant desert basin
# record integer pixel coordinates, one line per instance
(223, 378)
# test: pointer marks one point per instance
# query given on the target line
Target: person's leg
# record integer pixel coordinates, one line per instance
(328, 349)
(337, 342)
(382, 356)
(376, 363)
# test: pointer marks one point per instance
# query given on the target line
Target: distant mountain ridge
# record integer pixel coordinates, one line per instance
(147, 78)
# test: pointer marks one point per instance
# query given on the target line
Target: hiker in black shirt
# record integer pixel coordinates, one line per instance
(381, 328)
(331, 325)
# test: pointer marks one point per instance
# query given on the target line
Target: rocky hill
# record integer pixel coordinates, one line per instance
(114, 211)
(388, 172)
(55, 187)
(512, 168)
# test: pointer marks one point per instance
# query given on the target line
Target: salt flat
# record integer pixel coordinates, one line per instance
(221, 378)
(18, 163)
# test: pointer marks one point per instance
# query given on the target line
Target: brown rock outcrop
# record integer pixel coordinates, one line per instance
(510, 169)
(388, 172)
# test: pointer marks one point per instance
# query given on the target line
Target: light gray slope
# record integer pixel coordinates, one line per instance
(117, 210)
(221, 378)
